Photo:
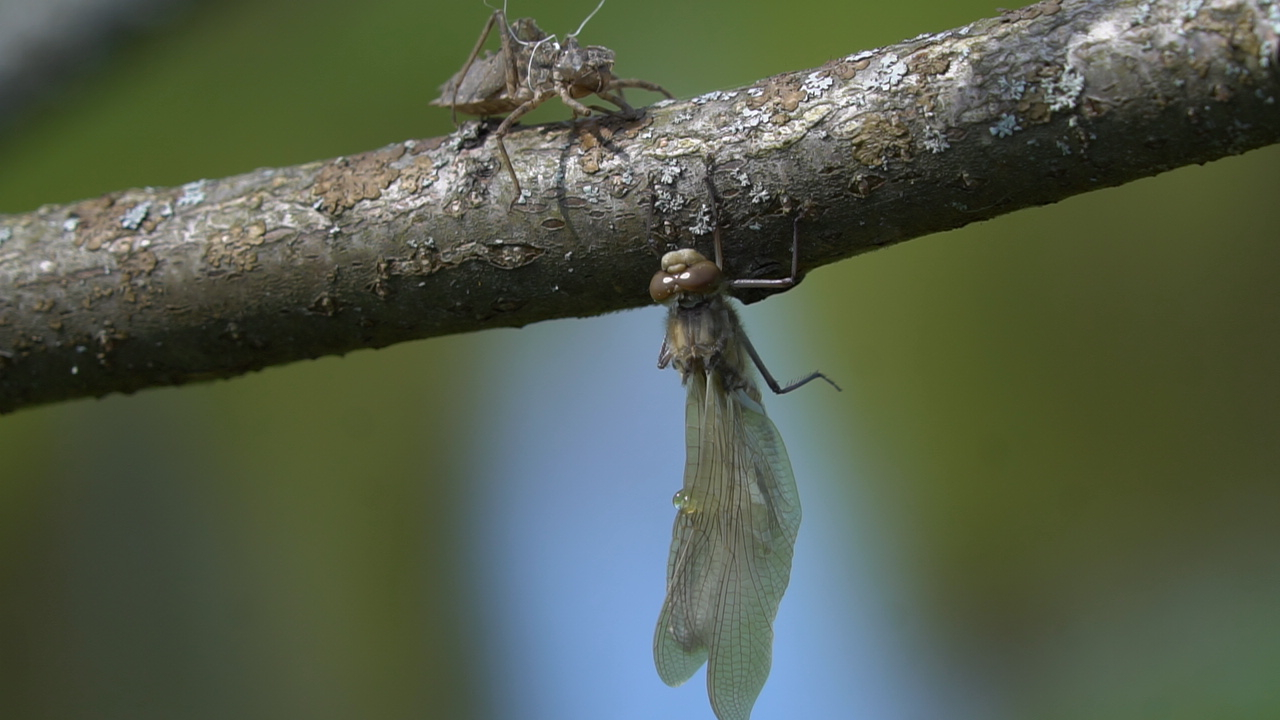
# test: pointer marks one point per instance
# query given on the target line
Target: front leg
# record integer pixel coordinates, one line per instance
(619, 83)
(579, 110)
(627, 111)
(665, 355)
(502, 130)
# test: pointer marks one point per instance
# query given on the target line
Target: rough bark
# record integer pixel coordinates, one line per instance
(219, 277)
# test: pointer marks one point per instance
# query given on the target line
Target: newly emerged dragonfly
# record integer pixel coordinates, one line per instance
(738, 512)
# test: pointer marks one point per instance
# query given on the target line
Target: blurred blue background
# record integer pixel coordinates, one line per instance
(1049, 489)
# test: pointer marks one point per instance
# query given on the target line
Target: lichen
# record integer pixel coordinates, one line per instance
(343, 182)
(702, 223)
(816, 85)
(236, 247)
(1006, 126)
(1064, 92)
(192, 194)
(135, 215)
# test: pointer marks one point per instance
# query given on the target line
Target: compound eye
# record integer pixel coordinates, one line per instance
(700, 277)
(663, 286)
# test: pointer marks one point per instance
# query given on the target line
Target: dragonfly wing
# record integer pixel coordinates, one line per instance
(678, 648)
(731, 548)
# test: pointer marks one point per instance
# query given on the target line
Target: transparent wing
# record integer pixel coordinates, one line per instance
(731, 548)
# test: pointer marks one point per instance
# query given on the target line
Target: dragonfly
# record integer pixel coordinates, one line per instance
(738, 512)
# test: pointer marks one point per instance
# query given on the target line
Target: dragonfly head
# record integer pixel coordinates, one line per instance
(684, 271)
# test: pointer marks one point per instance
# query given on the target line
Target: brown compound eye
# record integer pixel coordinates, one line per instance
(663, 286)
(700, 277)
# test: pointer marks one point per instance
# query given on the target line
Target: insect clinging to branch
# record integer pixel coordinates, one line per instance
(530, 68)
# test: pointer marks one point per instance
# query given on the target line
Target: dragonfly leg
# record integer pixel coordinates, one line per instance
(665, 355)
(774, 385)
(502, 130)
(775, 283)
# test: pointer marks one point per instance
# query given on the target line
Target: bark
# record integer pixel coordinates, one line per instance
(150, 287)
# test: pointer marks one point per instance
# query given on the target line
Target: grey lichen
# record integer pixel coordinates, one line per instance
(192, 194)
(1064, 92)
(1006, 126)
(132, 219)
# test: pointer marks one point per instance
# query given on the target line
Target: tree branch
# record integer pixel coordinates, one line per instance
(219, 277)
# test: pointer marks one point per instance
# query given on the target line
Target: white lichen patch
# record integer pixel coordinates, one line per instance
(890, 72)
(1190, 8)
(816, 85)
(70, 224)
(669, 171)
(755, 191)
(665, 201)
(192, 194)
(750, 119)
(934, 140)
(1142, 14)
(1010, 89)
(1063, 93)
(713, 96)
(132, 219)
(702, 224)
(1006, 126)
(5, 234)
(1267, 51)
(682, 116)
(760, 195)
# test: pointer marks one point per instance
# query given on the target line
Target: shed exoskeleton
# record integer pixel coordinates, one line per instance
(530, 68)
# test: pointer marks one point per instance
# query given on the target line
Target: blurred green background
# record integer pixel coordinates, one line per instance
(1056, 451)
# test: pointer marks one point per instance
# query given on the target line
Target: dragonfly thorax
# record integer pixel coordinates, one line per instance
(583, 70)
